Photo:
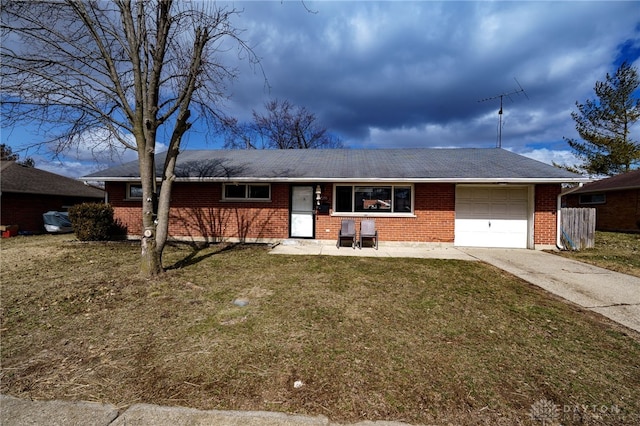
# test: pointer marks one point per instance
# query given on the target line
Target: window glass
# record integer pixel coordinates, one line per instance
(135, 191)
(235, 191)
(368, 198)
(402, 199)
(380, 199)
(344, 199)
(593, 199)
(259, 191)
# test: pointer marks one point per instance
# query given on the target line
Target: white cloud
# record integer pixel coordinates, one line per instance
(560, 157)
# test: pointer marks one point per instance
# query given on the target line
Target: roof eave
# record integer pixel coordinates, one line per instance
(349, 179)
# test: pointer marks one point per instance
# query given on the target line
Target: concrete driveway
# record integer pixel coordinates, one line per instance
(612, 294)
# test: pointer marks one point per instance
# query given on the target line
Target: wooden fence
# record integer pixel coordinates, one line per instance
(578, 228)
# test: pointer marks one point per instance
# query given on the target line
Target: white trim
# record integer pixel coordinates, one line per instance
(362, 214)
(532, 217)
(127, 195)
(351, 180)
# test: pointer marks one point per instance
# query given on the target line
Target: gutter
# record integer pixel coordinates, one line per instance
(347, 180)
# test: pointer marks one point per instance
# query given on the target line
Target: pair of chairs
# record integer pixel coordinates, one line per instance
(348, 232)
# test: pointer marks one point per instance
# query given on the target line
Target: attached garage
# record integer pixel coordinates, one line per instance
(492, 216)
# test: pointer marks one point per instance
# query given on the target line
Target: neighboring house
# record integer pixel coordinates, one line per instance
(467, 197)
(27, 193)
(616, 200)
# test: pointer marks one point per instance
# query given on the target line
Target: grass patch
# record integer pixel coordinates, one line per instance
(415, 340)
(616, 251)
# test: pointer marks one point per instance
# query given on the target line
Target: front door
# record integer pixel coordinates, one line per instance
(302, 212)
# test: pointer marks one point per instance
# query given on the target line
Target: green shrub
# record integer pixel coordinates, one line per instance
(92, 221)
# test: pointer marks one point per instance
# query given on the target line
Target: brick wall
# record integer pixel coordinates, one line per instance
(545, 216)
(25, 210)
(620, 212)
(196, 211)
(433, 219)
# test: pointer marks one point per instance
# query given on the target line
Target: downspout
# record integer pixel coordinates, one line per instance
(559, 222)
(559, 243)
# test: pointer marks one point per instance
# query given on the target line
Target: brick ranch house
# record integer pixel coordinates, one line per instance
(28, 192)
(616, 200)
(466, 197)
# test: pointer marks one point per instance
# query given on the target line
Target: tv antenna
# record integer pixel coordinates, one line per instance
(501, 96)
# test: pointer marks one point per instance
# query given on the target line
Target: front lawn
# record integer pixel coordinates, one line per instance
(613, 250)
(421, 341)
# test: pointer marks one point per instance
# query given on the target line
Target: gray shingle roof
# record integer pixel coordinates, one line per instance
(28, 180)
(448, 165)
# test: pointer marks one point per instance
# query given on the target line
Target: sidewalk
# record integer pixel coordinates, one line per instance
(19, 412)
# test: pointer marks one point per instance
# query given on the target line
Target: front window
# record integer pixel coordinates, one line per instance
(252, 191)
(373, 199)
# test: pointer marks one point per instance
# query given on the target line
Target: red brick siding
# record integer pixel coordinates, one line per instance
(25, 210)
(433, 219)
(545, 216)
(620, 212)
(196, 211)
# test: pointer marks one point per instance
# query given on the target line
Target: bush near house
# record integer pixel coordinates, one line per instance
(92, 221)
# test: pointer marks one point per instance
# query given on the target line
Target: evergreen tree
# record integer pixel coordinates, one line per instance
(604, 125)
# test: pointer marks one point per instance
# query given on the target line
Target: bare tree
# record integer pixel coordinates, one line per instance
(282, 126)
(130, 67)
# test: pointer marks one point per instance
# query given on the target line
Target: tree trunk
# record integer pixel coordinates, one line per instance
(151, 258)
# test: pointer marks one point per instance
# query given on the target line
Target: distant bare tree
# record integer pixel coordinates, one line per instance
(283, 126)
(123, 68)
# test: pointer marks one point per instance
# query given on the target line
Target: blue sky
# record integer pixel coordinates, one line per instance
(411, 74)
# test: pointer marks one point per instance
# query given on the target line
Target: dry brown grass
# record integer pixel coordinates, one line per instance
(613, 250)
(422, 341)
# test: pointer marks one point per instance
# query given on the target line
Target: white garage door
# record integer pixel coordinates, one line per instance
(491, 217)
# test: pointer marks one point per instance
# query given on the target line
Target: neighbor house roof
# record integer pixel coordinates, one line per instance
(17, 178)
(629, 180)
(335, 165)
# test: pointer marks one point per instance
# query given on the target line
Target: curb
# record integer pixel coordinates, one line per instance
(22, 412)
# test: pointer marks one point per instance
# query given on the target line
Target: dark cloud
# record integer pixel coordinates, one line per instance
(409, 73)
(404, 74)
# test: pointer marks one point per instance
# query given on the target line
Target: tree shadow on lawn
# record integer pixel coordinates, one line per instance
(195, 256)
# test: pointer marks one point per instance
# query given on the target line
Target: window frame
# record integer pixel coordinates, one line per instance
(603, 199)
(247, 192)
(374, 212)
(128, 195)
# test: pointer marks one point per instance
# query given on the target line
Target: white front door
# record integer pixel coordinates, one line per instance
(302, 212)
(492, 217)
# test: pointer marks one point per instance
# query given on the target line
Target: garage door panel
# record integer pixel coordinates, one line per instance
(491, 217)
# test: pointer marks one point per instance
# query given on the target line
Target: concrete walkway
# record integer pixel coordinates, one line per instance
(328, 248)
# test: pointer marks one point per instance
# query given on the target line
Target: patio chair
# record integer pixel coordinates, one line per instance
(347, 231)
(368, 230)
